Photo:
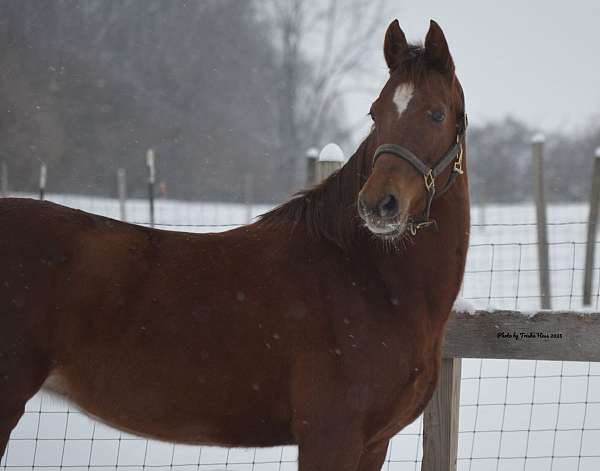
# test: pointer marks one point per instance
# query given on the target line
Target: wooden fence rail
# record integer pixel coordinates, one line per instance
(556, 335)
(543, 335)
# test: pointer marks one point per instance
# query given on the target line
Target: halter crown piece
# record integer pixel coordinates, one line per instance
(455, 154)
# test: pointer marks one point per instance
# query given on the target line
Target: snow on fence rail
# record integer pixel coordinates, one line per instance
(513, 413)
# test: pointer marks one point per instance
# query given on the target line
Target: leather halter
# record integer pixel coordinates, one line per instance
(455, 154)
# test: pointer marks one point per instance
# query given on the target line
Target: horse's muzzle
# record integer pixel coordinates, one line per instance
(385, 216)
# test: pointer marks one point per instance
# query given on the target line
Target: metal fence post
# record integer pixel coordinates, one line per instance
(151, 181)
(591, 231)
(4, 181)
(122, 190)
(537, 151)
(248, 195)
(312, 154)
(43, 175)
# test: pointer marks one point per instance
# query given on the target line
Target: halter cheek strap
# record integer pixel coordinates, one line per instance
(454, 155)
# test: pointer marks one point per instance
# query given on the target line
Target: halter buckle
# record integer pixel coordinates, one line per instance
(429, 181)
(457, 168)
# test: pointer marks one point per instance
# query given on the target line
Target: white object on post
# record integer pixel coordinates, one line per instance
(331, 153)
(331, 158)
(538, 138)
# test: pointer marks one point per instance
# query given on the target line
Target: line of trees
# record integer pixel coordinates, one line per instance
(500, 162)
(88, 86)
(220, 89)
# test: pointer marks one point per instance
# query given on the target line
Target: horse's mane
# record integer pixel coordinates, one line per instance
(327, 210)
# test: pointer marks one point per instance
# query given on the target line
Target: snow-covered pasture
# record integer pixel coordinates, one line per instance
(522, 415)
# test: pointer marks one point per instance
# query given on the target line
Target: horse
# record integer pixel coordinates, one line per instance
(320, 324)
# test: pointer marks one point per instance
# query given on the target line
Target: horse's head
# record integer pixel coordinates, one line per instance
(418, 121)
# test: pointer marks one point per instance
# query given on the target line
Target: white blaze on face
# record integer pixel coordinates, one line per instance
(402, 97)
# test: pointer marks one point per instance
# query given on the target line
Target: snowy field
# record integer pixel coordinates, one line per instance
(515, 415)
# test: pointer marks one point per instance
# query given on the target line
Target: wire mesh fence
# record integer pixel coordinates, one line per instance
(514, 414)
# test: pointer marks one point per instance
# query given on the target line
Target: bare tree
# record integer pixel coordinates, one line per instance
(334, 37)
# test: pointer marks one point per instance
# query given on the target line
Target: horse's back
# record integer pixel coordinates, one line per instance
(45, 251)
(37, 243)
(30, 228)
(41, 238)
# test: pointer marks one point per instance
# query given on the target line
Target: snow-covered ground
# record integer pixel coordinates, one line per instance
(509, 409)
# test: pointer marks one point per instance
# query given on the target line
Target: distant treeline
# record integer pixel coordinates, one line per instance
(218, 88)
(500, 162)
(88, 86)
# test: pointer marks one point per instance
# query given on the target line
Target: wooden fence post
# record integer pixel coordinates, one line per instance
(591, 231)
(151, 181)
(440, 420)
(331, 158)
(43, 176)
(537, 151)
(122, 191)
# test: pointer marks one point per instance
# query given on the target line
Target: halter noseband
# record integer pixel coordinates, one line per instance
(455, 154)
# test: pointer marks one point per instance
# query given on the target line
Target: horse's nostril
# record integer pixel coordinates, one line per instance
(388, 206)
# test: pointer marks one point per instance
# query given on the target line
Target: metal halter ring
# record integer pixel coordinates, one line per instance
(413, 227)
(429, 181)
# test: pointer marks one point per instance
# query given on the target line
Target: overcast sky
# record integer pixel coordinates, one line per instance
(536, 60)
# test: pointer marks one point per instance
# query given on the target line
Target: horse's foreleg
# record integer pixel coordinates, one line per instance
(21, 376)
(327, 447)
(373, 457)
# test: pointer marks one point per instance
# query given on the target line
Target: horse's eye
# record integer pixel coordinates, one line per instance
(437, 116)
(371, 116)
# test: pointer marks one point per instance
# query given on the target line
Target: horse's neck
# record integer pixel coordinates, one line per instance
(433, 266)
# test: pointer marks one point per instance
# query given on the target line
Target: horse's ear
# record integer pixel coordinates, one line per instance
(436, 49)
(394, 44)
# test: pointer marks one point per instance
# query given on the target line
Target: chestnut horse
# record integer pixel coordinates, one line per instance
(319, 325)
